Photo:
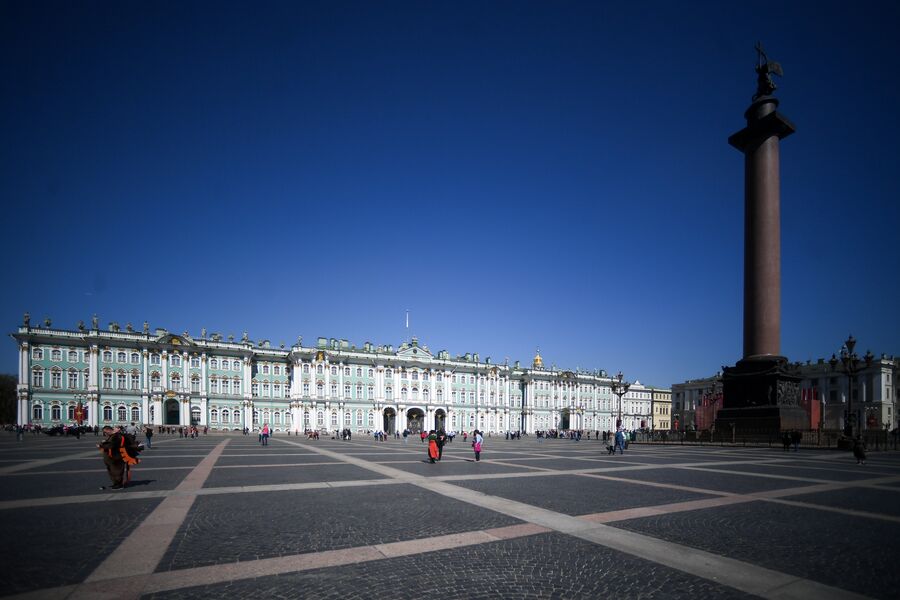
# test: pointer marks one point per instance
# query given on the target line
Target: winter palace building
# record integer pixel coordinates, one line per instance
(160, 378)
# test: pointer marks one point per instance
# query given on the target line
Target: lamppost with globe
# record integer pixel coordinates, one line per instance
(849, 363)
(619, 388)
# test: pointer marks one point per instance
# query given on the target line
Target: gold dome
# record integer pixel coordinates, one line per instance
(538, 362)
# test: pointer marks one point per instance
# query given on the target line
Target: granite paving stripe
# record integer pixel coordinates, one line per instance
(573, 495)
(140, 552)
(773, 535)
(249, 476)
(744, 576)
(45, 547)
(296, 524)
(539, 566)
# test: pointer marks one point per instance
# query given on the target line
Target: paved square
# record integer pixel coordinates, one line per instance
(223, 517)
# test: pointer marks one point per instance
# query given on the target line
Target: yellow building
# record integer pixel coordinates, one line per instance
(661, 407)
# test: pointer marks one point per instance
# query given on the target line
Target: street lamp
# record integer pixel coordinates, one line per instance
(619, 388)
(850, 364)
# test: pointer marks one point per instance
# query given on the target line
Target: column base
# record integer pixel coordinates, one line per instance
(761, 393)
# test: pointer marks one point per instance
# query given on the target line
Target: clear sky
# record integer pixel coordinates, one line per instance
(516, 174)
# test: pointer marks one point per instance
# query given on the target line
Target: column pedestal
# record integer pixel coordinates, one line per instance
(761, 394)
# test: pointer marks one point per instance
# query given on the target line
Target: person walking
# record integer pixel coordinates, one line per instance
(148, 434)
(620, 441)
(432, 446)
(859, 451)
(264, 434)
(441, 440)
(477, 442)
(118, 456)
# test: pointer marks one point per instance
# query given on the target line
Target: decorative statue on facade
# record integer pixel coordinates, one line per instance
(299, 340)
(203, 333)
(27, 320)
(95, 323)
(80, 325)
(129, 328)
(146, 327)
(764, 70)
(48, 323)
(245, 337)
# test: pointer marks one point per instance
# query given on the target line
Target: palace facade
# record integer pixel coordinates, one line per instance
(118, 376)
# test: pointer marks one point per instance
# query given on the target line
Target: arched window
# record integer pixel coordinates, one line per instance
(214, 415)
(107, 413)
(346, 390)
(37, 378)
(55, 412)
(37, 413)
(347, 419)
(319, 369)
(195, 384)
(107, 356)
(152, 414)
(236, 416)
(359, 418)
(403, 394)
(154, 379)
(121, 357)
(320, 419)
(122, 413)
(320, 390)
(334, 419)
(56, 378)
(425, 394)
(371, 419)
(195, 415)
(389, 393)
(135, 414)
(255, 417)
(440, 395)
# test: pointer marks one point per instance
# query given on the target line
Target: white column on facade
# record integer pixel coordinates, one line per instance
(23, 364)
(204, 372)
(94, 369)
(185, 371)
(165, 370)
(327, 386)
(203, 411)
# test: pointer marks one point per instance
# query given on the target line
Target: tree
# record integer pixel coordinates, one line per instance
(8, 398)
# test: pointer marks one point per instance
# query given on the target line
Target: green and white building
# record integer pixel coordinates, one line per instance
(121, 375)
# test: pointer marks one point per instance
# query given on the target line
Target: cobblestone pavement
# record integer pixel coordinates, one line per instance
(223, 517)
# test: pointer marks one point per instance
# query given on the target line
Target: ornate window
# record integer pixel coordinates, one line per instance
(214, 415)
(135, 414)
(107, 380)
(55, 412)
(55, 378)
(120, 381)
(135, 358)
(73, 356)
(305, 368)
(37, 354)
(122, 413)
(107, 356)
(195, 362)
(225, 415)
(73, 379)
(359, 418)
(346, 390)
(371, 419)
(175, 360)
(195, 415)
(155, 359)
(389, 393)
(56, 355)
(121, 357)
(236, 386)
(236, 416)
(37, 413)
(195, 384)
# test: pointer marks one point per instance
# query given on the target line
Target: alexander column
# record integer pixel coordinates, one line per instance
(760, 392)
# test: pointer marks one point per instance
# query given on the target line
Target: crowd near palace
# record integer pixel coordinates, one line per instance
(123, 375)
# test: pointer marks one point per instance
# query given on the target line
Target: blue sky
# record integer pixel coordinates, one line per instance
(517, 175)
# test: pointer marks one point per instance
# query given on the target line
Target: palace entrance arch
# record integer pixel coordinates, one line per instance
(440, 420)
(564, 420)
(390, 421)
(173, 412)
(415, 420)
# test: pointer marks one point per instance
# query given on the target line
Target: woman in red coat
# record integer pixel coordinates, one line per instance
(432, 446)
